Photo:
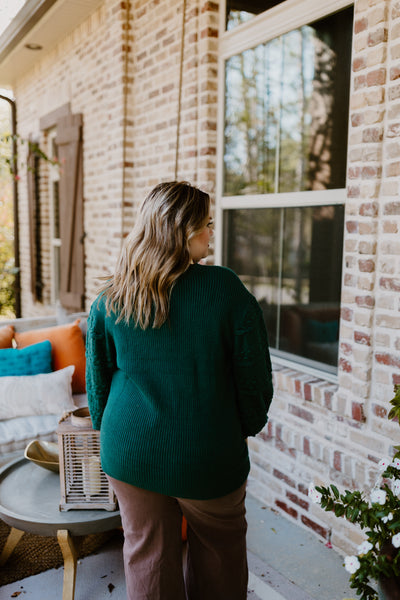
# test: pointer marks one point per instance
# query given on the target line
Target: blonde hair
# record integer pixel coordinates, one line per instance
(156, 253)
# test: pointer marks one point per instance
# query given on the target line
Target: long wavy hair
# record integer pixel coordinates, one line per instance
(156, 253)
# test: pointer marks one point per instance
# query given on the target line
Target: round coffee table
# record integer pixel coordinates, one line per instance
(29, 502)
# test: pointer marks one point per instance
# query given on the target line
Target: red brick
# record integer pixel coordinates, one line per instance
(372, 134)
(362, 338)
(354, 172)
(353, 191)
(388, 283)
(360, 25)
(359, 63)
(387, 359)
(392, 208)
(352, 226)
(357, 412)
(365, 301)
(296, 500)
(369, 209)
(337, 460)
(366, 266)
(377, 37)
(346, 314)
(377, 77)
(371, 172)
(359, 82)
(301, 413)
(357, 119)
(345, 366)
(306, 446)
(209, 32)
(209, 6)
(322, 531)
(288, 509)
(307, 392)
(379, 411)
(279, 475)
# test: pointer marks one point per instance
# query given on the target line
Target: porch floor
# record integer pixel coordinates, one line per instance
(286, 562)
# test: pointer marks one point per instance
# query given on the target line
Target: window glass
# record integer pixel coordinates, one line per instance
(290, 259)
(286, 111)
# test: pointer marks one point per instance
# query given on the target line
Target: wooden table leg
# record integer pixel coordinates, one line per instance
(12, 540)
(70, 559)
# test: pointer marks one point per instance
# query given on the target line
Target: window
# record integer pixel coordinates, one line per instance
(55, 239)
(281, 188)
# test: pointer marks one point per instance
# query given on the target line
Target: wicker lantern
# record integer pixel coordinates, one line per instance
(82, 480)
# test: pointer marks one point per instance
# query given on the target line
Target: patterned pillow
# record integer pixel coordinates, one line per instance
(26, 361)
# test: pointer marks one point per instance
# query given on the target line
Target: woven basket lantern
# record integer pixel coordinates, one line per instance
(82, 480)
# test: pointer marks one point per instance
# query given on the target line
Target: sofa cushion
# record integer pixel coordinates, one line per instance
(6, 336)
(68, 348)
(26, 361)
(43, 394)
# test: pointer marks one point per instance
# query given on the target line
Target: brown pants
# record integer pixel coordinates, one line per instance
(216, 560)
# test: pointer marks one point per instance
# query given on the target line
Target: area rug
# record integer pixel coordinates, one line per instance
(36, 553)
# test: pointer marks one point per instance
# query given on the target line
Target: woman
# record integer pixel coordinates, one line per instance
(178, 375)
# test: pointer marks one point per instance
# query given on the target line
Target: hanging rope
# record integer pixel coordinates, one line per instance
(125, 115)
(178, 120)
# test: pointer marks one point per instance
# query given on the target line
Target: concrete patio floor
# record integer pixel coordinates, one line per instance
(286, 562)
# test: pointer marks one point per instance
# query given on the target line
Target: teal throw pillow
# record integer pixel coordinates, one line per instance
(31, 360)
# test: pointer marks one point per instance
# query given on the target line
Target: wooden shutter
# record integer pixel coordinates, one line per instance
(34, 224)
(69, 142)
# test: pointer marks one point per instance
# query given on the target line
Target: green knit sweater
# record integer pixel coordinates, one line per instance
(174, 405)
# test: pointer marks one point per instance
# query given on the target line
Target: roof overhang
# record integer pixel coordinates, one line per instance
(39, 23)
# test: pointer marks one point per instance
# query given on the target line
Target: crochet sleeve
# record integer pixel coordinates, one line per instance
(100, 364)
(252, 370)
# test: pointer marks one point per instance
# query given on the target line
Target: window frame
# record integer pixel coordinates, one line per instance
(262, 28)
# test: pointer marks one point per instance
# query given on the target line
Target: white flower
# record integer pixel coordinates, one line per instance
(351, 564)
(396, 540)
(396, 463)
(384, 463)
(378, 497)
(313, 494)
(396, 486)
(364, 548)
(388, 518)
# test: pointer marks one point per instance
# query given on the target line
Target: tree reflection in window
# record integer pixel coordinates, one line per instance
(286, 111)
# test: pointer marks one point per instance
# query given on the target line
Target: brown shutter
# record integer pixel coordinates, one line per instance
(34, 223)
(69, 142)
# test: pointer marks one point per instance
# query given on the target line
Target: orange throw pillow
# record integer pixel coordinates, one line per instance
(6, 336)
(68, 348)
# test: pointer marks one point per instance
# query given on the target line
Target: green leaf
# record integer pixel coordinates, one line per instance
(335, 491)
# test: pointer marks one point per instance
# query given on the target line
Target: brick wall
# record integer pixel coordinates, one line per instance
(123, 69)
(337, 433)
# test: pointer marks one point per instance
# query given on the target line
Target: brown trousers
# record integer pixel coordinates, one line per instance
(214, 564)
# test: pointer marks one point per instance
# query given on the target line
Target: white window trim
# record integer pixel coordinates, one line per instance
(262, 28)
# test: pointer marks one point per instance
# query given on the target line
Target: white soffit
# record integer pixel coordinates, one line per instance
(42, 22)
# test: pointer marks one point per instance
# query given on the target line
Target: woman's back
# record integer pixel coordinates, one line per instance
(175, 420)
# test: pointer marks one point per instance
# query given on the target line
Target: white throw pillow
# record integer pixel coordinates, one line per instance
(43, 394)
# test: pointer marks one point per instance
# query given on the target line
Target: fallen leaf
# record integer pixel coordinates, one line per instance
(110, 587)
(15, 594)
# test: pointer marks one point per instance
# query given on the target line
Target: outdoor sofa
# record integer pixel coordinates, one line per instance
(42, 376)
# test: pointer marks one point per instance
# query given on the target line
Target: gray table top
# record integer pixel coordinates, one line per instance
(30, 497)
